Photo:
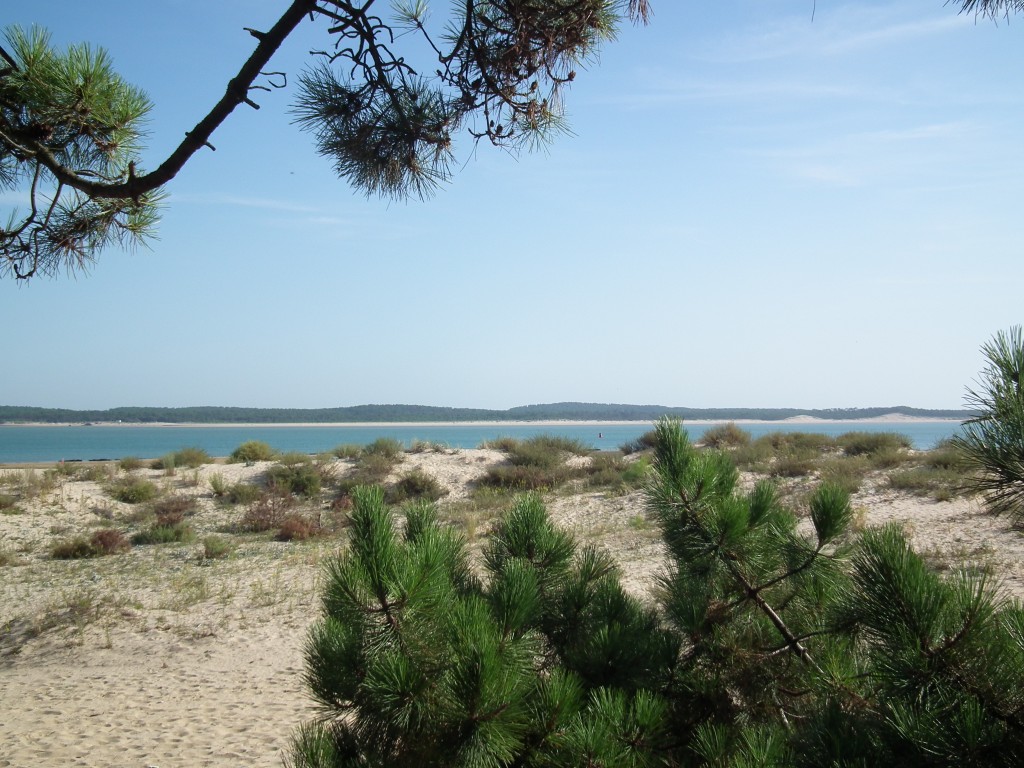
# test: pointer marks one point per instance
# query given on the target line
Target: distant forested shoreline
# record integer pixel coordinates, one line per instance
(425, 413)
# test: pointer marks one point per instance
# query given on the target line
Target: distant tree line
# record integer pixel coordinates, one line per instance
(425, 413)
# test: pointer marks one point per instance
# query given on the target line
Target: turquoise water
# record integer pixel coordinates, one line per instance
(43, 444)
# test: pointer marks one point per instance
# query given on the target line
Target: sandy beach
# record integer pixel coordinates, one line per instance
(162, 657)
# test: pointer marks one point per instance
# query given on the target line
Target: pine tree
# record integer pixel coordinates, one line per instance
(772, 641)
(69, 125)
(993, 441)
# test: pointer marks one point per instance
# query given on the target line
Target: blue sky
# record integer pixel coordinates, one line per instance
(755, 209)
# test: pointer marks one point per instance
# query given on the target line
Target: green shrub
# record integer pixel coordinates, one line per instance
(107, 541)
(216, 548)
(427, 446)
(725, 436)
(525, 477)
(95, 471)
(243, 493)
(500, 443)
(192, 457)
(165, 462)
(847, 473)
(218, 485)
(177, 533)
(861, 443)
(940, 484)
(795, 462)
(72, 549)
(133, 490)
(347, 451)
(301, 479)
(293, 458)
(387, 447)
(8, 504)
(605, 470)
(636, 472)
(415, 484)
(130, 463)
(250, 452)
(947, 455)
(797, 441)
(645, 442)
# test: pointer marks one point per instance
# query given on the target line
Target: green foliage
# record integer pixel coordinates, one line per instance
(86, 118)
(193, 458)
(129, 464)
(347, 451)
(415, 484)
(173, 533)
(300, 478)
(993, 441)
(216, 548)
(725, 436)
(535, 463)
(861, 443)
(769, 644)
(387, 447)
(72, 549)
(243, 493)
(645, 442)
(251, 451)
(132, 490)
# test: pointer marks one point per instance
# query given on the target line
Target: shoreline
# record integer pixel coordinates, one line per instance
(895, 418)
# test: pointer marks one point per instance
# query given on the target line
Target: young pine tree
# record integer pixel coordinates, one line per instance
(772, 641)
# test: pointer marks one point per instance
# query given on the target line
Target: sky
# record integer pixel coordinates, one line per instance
(762, 204)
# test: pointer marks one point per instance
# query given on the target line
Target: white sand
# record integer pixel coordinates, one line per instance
(154, 658)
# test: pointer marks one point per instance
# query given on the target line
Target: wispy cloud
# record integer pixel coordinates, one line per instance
(284, 206)
(851, 29)
(865, 157)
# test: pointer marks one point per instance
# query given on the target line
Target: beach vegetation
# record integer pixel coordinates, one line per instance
(218, 485)
(296, 527)
(216, 548)
(267, 512)
(866, 443)
(415, 484)
(347, 451)
(386, 447)
(167, 533)
(769, 643)
(250, 452)
(132, 490)
(992, 442)
(129, 464)
(107, 541)
(242, 493)
(537, 463)
(644, 442)
(301, 478)
(191, 457)
(725, 436)
(8, 504)
(96, 471)
(174, 509)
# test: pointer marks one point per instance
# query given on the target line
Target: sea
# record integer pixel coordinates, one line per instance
(39, 444)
